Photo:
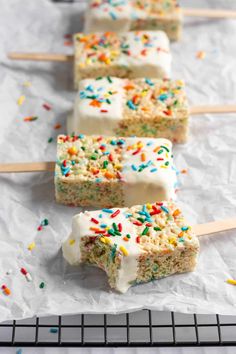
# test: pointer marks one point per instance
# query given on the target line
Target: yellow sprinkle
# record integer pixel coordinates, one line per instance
(31, 246)
(27, 84)
(124, 251)
(105, 240)
(172, 241)
(72, 150)
(201, 54)
(231, 281)
(21, 100)
(163, 166)
(71, 242)
(118, 167)
(149, 206)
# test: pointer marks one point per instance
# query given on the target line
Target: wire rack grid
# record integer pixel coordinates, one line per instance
(139, 329)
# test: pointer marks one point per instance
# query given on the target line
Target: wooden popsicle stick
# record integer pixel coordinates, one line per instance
(210, 13)
(214, 227)
(213, 109)
(41, 57)
(27, 167)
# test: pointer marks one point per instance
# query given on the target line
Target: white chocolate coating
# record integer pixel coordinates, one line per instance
(161, 177)
(81, 224)
(149, 54)
(108, 15)
(105, 118)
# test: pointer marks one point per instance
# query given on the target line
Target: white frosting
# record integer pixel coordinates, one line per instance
(156, 58)
(148, 185)
(81, 227)
(112, 15)
(87, 115)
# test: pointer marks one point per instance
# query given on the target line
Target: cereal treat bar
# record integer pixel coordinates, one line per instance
(130, 15)
(107, 171)
(133, 245)
(123, 107)
(127, 55)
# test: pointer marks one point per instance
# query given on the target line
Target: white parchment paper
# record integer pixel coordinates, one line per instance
(208, 190)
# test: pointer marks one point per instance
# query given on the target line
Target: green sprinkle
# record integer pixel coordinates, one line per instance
(118, 233)
(114, 226)
(108, 101)
(109, 79)
(83, 148)
(164, 147)
(42, 285)
(155, 267)
(50, 140)
(128, 236)
(156, 228)
(160, 152)
(99, 78)
(145, 231)
(105, 163)
(45, 222)
(167, 163)
(141, 220)
(111, 232)
(93, 157)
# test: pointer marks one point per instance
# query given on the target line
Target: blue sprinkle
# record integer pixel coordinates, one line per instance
(113, 142)
(165, 209)
(100, 89)
(184, 228)
(134, 168)
(149, 82)
(81, 136)
(121, 142)
(89, 88)
(113, 16)
(82, 94)
(98, 180)
(100, 216)
(65, 170)
(148, 163)
(53, 330)
(150, 143)
(103, 226)
(181, 239)
(128, 215)
(110, 211)
(106, 153)
(163, 97)
(19, 351)
(131, 105)
(153, 170)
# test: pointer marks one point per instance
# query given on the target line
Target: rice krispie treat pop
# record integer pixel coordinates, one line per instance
(123, 107)
(132, 15)
(127, 55)
(133, 245)
(107, 171)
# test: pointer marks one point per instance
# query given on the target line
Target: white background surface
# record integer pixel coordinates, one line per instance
(210, 156)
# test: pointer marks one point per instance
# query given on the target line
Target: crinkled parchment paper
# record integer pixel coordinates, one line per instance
(208, 190)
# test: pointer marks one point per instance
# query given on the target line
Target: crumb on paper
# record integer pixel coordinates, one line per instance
(201, 54)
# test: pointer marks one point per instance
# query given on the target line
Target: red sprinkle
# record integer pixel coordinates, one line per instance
(64, 163)
(138, 239)
(160, 203)
(23, 271)
(119, 227)
(47, 107)
(138, 223)
(110, 157)
(160, 159)
(39, 228)
(57, 126)
(103, 110)
(136, 152)
(95, 221)
(115, 213)
(68, 36)
(99, 138)
(68, 43)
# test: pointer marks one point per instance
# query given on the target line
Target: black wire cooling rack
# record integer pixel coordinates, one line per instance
(139, 329)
